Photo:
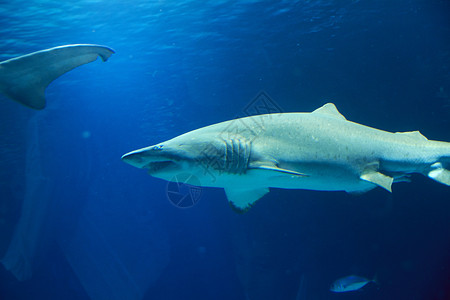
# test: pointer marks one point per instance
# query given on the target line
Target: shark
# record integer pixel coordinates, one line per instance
(25, 78)
(320, 150)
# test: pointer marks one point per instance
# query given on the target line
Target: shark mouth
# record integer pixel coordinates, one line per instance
(155, 166)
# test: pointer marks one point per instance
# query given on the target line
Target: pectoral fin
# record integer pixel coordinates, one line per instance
(378, 179)
(242, 200)
(273, 167)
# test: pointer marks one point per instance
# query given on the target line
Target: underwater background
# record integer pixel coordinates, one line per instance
(77, 223)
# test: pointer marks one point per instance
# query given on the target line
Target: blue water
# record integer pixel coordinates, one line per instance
(96, 228)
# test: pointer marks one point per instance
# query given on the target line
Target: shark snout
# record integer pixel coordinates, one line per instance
(134, 158)
(141, 157)
(152, 158)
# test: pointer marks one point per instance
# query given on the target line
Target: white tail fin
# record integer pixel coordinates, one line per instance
(25, 78)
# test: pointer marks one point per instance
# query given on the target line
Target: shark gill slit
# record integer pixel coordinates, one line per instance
(228, 155)
(241, 151)
(246, 155)
(236, 156)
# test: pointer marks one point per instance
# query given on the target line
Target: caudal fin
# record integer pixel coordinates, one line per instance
(25, 78)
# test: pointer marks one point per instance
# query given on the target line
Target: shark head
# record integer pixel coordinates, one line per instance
(181, 154)
(160, 160)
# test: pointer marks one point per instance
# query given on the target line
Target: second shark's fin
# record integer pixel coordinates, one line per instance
(242, 200)
(25, 78)
(378, 179)
(439, 173)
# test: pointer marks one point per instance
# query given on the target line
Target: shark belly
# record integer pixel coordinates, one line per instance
(321, 177)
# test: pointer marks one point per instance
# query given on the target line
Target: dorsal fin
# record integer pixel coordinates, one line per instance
(330, 110)
(414, 135)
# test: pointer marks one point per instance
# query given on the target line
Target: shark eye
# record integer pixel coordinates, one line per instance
(158, 147)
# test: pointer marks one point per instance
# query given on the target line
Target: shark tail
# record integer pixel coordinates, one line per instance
(25, 78)
(440, 171)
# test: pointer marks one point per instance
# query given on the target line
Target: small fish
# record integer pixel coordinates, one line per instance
(349, 283)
